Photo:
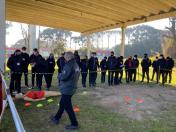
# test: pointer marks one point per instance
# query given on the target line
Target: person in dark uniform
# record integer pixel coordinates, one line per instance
(120, 68)
(15, 64)
(128, 69)
(77, 57)
(68, 81)
(135, 64)
(84, 70)
(25, 58)
(40, 64)
(145, 63)
(61, 63)
(112, 63)
(169, 67)
(51, 68)
(93, 64)
(155, 69)
(161, 64)
(31, 58)
(103, 66)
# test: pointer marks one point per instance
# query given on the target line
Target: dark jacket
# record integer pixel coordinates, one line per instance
(119, 63)
(60, 64)
(135, 63)
(31, 59)
(93, 64)
(25, 58)
(169, 63)
(15, 63)
(84, 65)
(112, 62)
(155, 65)
(161, 64)
(69, 78)
(51, 64)
(103, 65)
(77, 58)
(145, 63)
(40, 64)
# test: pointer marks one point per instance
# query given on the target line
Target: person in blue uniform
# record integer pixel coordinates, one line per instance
(169, 67)
(93, 65)
(112, 63)
(120, 68)
(15, 63)
(25, 58)
(61, 63)
(84, 70)
(135, 64)
(155, 67)
(162, 64)
(145, 63)
(103, 66)
(77, 58)
(51, 68)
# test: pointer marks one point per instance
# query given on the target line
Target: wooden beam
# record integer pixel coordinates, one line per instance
(129, 23)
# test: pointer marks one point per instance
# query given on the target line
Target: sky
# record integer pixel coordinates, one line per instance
(14, 32)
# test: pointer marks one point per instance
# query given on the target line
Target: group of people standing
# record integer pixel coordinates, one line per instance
(18, 64)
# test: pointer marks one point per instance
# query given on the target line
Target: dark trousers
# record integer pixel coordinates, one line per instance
(103, 76)
(170, 76)
(66, 104)
(84, 76)
(15, 82)
(162, 73)
(143, 74)
(155, 71)
(120, 74)
(134, 75)
(48, 79)
(25, 72)
(33, 77)
(110, 77)
(92, 77)
(126, 75)
(116, 79)
(39, 77)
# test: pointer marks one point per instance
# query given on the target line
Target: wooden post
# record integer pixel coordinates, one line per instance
(88, 47)
(122, 46)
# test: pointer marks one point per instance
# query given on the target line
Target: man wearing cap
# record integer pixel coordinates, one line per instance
(155, 67)
(169, 67)
(162, 66)
(84, 70)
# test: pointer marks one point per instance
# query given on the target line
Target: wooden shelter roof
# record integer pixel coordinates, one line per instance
(88, 16)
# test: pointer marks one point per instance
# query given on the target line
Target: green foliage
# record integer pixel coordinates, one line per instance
(142, 39)
(58, 37)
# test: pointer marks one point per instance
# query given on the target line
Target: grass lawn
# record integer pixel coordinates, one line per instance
(92, 117)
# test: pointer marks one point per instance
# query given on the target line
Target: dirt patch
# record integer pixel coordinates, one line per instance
(135, 101)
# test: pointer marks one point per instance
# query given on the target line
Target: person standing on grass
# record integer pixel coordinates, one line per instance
(155, 69)
(25, 58)
(162, 68)
(120, 68)
(103, 66)
(135, 64)
(169, 67)
(128, 69)
(61, 63)
(51, 68)
(68, 80)
(112, 63)
(84, 70)
(31, 59)
(145, 63)
(93, 65)
(15, 63)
